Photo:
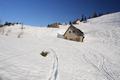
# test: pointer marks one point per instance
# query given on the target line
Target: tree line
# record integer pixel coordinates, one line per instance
(9, 24)
(84, 18)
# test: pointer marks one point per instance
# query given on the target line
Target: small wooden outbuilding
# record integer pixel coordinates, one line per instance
(74, 34)
(54, 25)
(76, 21)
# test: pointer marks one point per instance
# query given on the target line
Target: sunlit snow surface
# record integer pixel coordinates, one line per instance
(97, 58)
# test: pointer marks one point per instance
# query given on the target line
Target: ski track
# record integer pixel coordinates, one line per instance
(54, 70)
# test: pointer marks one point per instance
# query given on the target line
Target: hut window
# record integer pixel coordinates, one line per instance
(73, 31)
(69, 31)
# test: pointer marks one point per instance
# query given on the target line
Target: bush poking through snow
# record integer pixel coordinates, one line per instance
(20, 34)
(8, 32)
(2, 30)
(44, 53)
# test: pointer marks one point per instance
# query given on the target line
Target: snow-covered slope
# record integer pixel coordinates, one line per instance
(97, 58)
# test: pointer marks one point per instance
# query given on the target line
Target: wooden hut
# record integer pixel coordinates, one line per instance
(74, 34)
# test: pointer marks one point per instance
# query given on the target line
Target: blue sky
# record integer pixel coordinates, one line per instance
(43, 12)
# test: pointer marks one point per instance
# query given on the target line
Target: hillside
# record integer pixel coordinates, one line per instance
(97, 58)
